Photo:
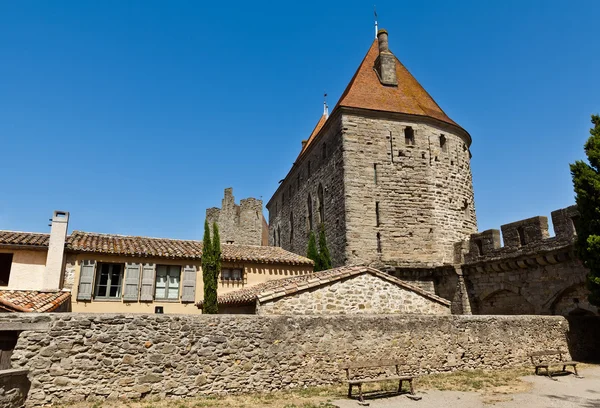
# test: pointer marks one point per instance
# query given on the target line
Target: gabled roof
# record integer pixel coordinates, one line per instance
(274, 289)
(32, 300)
(409, 97)
(314, 133)
(147, 247)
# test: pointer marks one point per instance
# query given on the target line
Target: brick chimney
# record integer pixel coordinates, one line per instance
(56, 251)
(385, 64)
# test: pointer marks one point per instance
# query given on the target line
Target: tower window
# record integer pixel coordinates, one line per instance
(291, 227)
(321, 204)
(309, 213)
(377, 213)
(409, 135)
(378, 242)
(443, 145)
(479, 244)
(375, 172)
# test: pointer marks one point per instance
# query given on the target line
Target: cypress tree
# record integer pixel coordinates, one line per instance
(208, 267)
(324, 256)
(312, 252)
(586, 181)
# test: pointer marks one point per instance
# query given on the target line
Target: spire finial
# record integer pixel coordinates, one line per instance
(376, 27)
(325, 107)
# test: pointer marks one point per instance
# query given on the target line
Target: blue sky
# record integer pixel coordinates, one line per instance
(135, 115)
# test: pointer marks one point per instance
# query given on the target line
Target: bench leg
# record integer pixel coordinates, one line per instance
(575, 369)
(412, 390)
(400, 387)
(349, 390)
(360, 396)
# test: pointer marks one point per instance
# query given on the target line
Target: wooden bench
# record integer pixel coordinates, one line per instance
(540, 360)
(352, 381)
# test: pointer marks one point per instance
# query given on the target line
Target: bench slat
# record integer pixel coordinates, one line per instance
(545, 353)
(370, 380)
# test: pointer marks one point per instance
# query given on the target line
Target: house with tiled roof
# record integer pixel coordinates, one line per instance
(343, 290)
(94, 272)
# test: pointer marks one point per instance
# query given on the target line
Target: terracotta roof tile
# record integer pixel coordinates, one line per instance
(366, 92)
(32, 301)
(24, 238)
(146, 247)
(282, 287)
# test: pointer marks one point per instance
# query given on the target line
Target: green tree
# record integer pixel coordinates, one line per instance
(586, 181)
(312, 252)
(324, 256)
(209, 271)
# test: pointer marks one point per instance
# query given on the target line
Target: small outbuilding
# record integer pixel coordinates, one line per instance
(343, 290)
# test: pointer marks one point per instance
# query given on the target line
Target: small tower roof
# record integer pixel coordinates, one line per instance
(365, 91)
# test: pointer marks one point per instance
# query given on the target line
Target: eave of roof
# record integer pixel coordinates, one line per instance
(29, 301)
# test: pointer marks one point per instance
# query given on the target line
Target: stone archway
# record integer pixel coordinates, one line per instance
(572, 301)
(505, 302)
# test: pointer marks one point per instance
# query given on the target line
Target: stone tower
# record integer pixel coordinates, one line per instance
(242, 224)
(388, 173)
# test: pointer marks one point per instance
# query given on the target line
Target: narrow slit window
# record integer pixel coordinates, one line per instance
(321, 204)
(309, 213)
(375, 172)
(291, 227)
(324, 150)
(443, 144)
(409, 136)
(377, 220)
(479, 244)
(278, 236)
(378, 242)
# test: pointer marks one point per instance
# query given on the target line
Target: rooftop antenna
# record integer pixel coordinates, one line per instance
(376, 27)
(325, 107)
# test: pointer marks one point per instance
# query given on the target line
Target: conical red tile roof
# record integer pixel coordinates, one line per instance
(366, 92)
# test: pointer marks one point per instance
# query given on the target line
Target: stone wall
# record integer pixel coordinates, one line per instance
(360, 294)
(419, 202)
(241, 224)
(532, 273)
(318, 169)
(94, 357)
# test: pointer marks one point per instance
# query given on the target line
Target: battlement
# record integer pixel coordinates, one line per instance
(522, 237)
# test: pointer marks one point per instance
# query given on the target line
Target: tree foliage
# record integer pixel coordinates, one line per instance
(211, 253)
(312, 252)
(324, 256)
(586, 181)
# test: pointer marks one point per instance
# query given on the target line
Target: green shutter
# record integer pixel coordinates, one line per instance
(148, 279)
(86, 280)
(132, 282)
(188, 286)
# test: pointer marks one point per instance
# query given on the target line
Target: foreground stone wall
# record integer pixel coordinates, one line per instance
(360, 294)
(94, 357)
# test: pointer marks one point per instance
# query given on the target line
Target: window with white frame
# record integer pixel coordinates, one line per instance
(235, 275)
(109, 281)
(167, 282)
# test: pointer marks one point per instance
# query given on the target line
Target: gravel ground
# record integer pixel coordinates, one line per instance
(567, 392)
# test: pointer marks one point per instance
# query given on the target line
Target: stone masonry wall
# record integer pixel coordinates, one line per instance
(242, 224)
(423, 192)
(320, 165)
(361, 294)
(94, 357)
(532, 273)
(14, 386)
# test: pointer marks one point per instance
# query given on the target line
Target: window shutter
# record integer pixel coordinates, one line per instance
(86, 280)
(132, 281)
(188, 287)
(148, 279)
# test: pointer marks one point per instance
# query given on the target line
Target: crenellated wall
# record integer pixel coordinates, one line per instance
(532, 273)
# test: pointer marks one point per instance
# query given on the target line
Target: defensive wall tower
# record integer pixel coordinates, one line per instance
(388, 174)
